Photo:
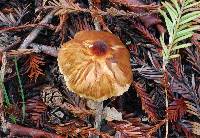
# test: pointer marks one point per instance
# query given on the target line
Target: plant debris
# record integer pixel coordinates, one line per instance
(161, 40)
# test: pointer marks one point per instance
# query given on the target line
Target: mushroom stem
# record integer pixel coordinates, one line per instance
(98, 115)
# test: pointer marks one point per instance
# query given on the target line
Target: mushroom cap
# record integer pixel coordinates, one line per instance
(95, 65)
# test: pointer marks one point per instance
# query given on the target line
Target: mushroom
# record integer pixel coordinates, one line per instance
(95, 65)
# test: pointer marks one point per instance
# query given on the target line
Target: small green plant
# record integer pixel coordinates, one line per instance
(13, 119)
(179, 18)
(6, 98)
(2, 86)
(21, 89)
(180, 22)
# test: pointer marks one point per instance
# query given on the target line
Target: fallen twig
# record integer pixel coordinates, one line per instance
(27, 26)
(52, 51)
(2, 73)
(17, 130)
(36, 31)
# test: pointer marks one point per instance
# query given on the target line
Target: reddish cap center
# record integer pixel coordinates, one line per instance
(99, 48)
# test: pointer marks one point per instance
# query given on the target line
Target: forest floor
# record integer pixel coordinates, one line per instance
(163, 98)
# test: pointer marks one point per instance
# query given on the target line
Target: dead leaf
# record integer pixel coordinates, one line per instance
(111, 114)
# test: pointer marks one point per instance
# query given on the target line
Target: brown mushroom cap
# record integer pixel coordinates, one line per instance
(95, 65)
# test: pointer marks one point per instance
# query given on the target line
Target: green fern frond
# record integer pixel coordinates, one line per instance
(179, 18)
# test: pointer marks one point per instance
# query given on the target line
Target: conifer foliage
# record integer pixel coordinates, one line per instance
(180, 19)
